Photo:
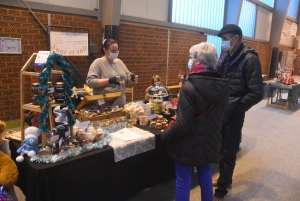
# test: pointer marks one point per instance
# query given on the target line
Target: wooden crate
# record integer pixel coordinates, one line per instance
(109, 99)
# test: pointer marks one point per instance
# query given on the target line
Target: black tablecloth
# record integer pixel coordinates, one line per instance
(94, 175)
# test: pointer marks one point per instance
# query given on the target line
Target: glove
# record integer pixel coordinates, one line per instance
(132, 77)
(113, 80)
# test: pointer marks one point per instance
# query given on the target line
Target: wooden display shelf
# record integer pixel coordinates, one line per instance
(30, 106)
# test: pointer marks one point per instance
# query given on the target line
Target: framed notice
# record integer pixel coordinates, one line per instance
(69, 43)
(10, 45)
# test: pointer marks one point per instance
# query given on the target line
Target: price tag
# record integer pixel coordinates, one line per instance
(101, 101)
(67, 133)
(54, 138)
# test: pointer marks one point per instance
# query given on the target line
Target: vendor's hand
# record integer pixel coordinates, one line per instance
(114, 80)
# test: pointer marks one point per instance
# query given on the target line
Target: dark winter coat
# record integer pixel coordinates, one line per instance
(198, 142)
(243, 72)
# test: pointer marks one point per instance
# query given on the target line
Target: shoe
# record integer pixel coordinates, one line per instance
(215, 184)
(218, 199)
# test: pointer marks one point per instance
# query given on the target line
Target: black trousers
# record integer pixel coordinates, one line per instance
(231, 137)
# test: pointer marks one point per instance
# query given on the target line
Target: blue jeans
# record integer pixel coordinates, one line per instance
(184, 178)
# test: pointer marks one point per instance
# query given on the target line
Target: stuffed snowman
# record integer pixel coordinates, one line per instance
(31, 140)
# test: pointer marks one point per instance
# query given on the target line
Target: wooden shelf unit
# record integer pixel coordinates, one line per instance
(29, 106)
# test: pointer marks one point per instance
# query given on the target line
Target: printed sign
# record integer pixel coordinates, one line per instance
(69, 43)
(10, 46)
(41, 58)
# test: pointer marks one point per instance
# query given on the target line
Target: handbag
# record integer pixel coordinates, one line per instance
(172, 120)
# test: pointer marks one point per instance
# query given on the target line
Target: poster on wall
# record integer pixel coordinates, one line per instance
(10, 45)
(69, 43)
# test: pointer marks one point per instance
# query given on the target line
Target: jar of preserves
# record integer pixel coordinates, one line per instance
(59, 87)
(50, 89)
(34, 100)
(35, 89)
(81, 134)
(99, 134)
(59, 98)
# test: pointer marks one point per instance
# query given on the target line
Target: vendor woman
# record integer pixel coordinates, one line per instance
(109, 74)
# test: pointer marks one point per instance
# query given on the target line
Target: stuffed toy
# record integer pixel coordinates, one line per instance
(31, 140)
(8, 169)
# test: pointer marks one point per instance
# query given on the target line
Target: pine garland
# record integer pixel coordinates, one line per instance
(52, 61)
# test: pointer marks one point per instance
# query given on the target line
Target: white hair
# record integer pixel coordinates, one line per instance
(206, 53)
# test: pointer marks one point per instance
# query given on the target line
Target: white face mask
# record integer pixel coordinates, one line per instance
(226, 45)
(190, 64)
(113, 55)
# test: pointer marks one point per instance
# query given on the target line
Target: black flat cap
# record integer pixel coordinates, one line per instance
(231, 28)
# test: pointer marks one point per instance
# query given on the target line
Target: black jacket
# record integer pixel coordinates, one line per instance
(198, 142)
(243, 72)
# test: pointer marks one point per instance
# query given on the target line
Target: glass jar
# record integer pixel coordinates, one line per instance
(90, 128)
(81, 134)
(90, 135)
(59, 98)
(34, 100)
(35, 89)
(59, 87)
(158, 126)
(99, 134)
(50, 89)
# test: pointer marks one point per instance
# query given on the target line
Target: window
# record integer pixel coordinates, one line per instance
(248, 18)
(217, 41)
(293, 9)
(207, 14)
(268, 2)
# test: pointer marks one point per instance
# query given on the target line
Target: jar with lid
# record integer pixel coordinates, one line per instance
(90, 128)
(50, 90)
(90, 135)
(81, 134)
(99, 134)
(35, 89)
(59, 87)
(59, 98)
(34, 100)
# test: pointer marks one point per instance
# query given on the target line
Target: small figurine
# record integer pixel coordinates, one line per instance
(30, 142)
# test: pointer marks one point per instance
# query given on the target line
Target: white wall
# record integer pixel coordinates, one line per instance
(263, 24)
(288, 41)
(149, 9)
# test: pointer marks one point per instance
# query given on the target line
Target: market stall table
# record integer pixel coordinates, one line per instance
(94, 175)
(292, 97)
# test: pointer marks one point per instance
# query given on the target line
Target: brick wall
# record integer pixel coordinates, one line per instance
(142, 48)
(144, 51)
(264, 54)
(21, 24)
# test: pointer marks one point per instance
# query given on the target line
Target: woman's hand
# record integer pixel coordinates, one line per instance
(116, 80)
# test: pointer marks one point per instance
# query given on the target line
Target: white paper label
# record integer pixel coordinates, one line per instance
(41, 58)
(54, 138)
(101, 101)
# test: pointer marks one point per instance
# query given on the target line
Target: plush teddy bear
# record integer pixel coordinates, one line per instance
(31, 140)
(8, 169)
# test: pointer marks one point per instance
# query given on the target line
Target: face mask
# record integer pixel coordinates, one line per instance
(190, 64)
(113, 55)
(226, 45)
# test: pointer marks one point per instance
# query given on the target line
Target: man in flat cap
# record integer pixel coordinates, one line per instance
(241, 66)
